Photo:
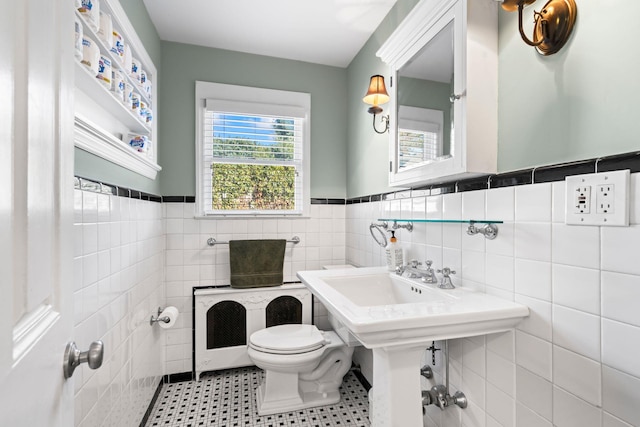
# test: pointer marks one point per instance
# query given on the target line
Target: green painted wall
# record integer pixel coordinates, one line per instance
(183, 64)
(579, 103)
(88, 165)
(368, 152)
(139, 17)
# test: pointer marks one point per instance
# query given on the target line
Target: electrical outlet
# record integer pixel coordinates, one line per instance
(582, 202)
(605, 199)
(598, 199)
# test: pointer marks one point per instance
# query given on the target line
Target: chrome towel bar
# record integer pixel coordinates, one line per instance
(212, 241)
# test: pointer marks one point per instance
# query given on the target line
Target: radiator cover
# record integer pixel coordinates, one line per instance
(225, 318)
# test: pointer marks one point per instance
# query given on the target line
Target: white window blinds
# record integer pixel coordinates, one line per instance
(417, 147)
(252, 160)
(419, 136)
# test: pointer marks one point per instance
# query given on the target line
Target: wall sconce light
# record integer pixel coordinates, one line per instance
(553, 24)
(376, 96)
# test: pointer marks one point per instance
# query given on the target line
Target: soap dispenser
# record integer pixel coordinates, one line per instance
(394, 253)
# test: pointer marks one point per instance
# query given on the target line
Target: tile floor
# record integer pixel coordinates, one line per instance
(226, 398)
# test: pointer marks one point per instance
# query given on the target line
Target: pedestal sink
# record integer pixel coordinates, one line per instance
(397, 318)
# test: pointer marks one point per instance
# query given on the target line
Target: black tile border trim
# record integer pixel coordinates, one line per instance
(178, 199)
(358, 373)
(561, 171)
(371, 198)
(538, 175)
(472, 184)
(156, 394)
(629, 161)
(443, 188)
(85, 184)
(173, 199)
(541, 174)
(315, 201)
(178, 378)
(511, 179)
(193, 330)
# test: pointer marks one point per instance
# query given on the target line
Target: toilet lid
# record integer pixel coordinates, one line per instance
(288, 338)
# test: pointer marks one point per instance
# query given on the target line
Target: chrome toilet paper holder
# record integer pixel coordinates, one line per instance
(156, 319)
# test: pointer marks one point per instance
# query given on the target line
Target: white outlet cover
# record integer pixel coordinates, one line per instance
(619, 215)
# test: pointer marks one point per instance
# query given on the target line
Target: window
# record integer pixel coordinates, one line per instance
(419, 136)
(417, 147)
(252, 150)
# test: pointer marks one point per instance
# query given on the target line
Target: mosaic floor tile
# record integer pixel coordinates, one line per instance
(227, 399)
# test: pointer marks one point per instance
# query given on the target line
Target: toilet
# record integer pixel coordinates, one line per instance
(303, 366)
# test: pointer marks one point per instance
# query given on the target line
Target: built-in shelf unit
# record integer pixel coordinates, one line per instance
(102, 122)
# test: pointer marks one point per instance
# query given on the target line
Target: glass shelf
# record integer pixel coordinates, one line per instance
(489, 229)
(450, 221)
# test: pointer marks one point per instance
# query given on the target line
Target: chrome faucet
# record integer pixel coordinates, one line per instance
(429, 275)
(414, 271)
(446, 280)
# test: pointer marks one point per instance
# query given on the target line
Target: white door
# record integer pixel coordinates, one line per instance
(36, 208)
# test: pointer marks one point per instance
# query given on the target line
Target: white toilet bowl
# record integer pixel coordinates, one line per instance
(303, 367)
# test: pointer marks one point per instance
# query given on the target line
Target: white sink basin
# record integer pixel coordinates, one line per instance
(384, 309)
(398, 318)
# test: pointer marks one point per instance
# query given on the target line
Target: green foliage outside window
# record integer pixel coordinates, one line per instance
(252, 187)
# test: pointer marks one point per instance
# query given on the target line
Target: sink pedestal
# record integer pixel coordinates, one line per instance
(397, 317)
(396, 394)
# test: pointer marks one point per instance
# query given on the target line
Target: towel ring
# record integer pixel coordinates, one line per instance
(379, 227)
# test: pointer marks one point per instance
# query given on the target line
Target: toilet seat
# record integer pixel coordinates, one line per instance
(288, 339)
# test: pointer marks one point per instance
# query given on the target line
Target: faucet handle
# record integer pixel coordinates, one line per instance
(446, 271)
(414, 263)
(446, 280)
(428, 264)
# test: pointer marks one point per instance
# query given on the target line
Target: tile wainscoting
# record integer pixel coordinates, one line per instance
(191, 262)
(573, 362)
(118, 283)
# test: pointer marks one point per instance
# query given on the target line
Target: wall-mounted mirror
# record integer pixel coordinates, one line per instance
(443, 110)
(424, 108)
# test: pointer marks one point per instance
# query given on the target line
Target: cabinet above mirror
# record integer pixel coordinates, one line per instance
(443, 113)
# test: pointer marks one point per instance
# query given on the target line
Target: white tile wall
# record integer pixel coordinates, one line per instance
(190, 262)
(574, 362)
(575, 352)
(119, 264)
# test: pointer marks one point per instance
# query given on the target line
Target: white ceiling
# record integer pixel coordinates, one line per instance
(329, 32)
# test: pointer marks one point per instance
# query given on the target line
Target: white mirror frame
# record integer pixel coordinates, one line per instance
(422, 24)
